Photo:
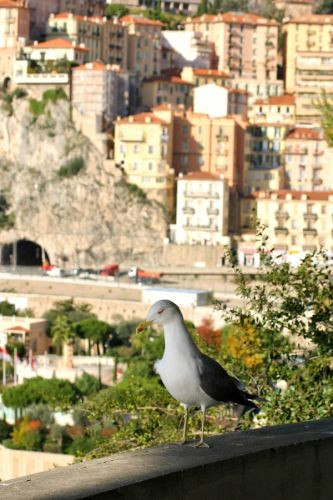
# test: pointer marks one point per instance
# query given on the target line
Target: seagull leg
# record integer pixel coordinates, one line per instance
(184, 440)
(201, 443)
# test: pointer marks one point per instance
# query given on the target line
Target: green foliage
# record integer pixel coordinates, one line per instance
(5, 430)
(324, 7)
(88, 384)
(28, 434)
(325, 106)
(137, 191)
(72, 167)
(19, 346)
(56, 393)
(116, 10)
(8, 97)
(99, 333)
(7, 219)
(7, 309)
(73, 312)
(216, 6)
(37, 107)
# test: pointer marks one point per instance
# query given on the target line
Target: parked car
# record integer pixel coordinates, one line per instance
(140, 276)
(110, 270)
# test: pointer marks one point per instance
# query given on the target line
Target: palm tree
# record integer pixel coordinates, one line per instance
(63, 334)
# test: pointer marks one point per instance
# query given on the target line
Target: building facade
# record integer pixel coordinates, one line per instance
(202, 210)
(308, 63)
(172, 90)
(189, 48)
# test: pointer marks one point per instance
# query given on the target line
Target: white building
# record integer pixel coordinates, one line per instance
(189, 47)
(217, 101)
(202, 210)
(57, 49)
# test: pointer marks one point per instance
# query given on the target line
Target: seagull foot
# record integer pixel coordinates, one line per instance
(201, 444)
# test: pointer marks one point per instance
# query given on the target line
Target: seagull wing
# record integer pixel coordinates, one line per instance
(216, 382)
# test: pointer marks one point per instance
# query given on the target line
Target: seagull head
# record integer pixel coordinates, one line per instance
(162, 313)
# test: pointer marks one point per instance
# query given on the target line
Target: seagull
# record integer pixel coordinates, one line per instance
(191, 377)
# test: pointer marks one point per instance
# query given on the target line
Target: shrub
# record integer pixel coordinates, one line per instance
(72, 167)
(5, 430)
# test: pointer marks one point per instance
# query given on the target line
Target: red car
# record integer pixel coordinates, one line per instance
(111, 270)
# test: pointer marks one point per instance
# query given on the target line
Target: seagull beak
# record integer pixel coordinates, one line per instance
(142, 326)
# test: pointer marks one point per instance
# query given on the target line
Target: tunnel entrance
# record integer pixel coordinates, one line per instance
(23, 253)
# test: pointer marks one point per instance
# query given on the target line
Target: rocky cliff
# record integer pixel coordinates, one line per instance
(57, 191)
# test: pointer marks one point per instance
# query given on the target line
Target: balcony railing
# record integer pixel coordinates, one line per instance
(310, 231)
(310, 216)
(213, 211)
(281, 230)
(188, 210)
(282, 214)
(201, 194)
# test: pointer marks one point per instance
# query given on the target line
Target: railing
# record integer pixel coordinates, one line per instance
(281, 230)
(200, 194)
(257, 464)
(310, 216)
(310, 231)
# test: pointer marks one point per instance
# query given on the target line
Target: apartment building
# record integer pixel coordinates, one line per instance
(83, 7)
(202, 210)
(97, 90)
(308, 160)
(40, 11)
(295, 8)
(275, 109)
(114, 42)
(202, 76)
(144, 45)
(188, 47)
(14, 33)
(246, 46)
(297, 221)
(143, 148)
(159, 90)
(308, 63)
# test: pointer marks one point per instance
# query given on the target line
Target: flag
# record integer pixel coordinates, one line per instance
(4, 355)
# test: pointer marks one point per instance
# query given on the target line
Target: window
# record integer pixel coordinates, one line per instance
(150, 165)
(150, 149)
(183, 160)
(184, 129)
(136, 148)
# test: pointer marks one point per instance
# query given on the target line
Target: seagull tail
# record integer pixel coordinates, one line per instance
(248, 400)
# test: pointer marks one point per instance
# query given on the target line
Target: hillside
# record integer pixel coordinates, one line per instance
(57, 191)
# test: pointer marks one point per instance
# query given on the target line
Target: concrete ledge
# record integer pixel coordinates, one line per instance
(287, 462)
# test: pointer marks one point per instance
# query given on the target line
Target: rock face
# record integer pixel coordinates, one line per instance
(66, 198)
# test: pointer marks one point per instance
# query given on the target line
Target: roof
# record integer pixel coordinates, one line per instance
(58, 43)
(199, 176)
(17, 328)
(305, 133)
(95, 66)
(233, 18)
(217, 73)
(142, 118)
(296, 195)
(286, 99)
(167, 79)
(311, 19)
(140, 20)
(11, 4)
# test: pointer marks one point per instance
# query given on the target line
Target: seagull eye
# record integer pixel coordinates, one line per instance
(160, 311)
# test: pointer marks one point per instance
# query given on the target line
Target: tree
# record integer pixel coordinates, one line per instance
(325, 106)
(98, 333)
(324, 7)
(62, 332)
(7, 309)
(116, 10)
(73, 312)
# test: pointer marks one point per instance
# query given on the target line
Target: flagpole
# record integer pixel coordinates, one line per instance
(3, 370)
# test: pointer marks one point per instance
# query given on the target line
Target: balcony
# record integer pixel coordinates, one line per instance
(188, 210)
(295, 151)
(317, 182)
(310, 231)
(282, 214)
(201, 194)
(213, 211)
(200, 227)
(259, 461)
(309, 216)
(281, 230)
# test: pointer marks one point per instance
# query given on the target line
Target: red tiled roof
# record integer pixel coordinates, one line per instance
(168, 79)
(233, 18)
(17, 328)
(142, 118)
(202, 176)
(140, 20)
(211, 72)
(94, 66)
(311, 19)
(296, 195)
(304, 133)
(10, 4)
(284, 100)
(58, 43)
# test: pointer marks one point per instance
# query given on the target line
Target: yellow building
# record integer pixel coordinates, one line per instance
(201, 76)
(308, 62)
(143, 148)
(159, 90)
(274, 109)
(144, 45)
(308, 160)
(297, 221)
(14, 33)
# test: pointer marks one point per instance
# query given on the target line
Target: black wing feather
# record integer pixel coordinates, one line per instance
(216, 382)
